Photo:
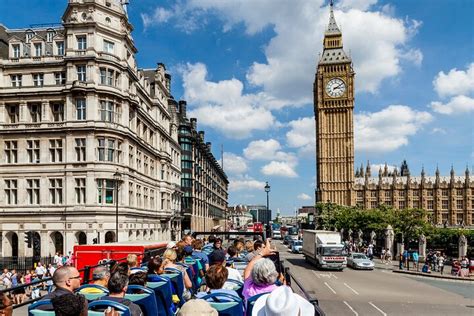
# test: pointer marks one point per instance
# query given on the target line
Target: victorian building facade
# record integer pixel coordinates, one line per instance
(79, 122)
(448, 200)
(204, 183)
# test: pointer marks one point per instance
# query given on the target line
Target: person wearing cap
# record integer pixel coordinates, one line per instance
(260, 274)
(282, 302)
(100, 276)
(217, 257)
(197, 308)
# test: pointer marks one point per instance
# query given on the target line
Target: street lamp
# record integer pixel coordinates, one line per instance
(117, 179)
(267, 189)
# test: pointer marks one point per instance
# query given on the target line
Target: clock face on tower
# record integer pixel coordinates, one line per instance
(335, 87)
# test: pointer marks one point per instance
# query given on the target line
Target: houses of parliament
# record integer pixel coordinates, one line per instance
(449, 200)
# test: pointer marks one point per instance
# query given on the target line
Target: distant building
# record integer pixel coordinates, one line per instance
(260, 213)
(449, 200)
(203, 182)
(239, 217)
(307, 210)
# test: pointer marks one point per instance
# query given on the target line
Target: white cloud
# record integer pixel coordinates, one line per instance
(262, 149)
(457, 105)
(234, 164)
(455, 82)
(389, 129)
(438, 130)
(286, 75)
(376, 167)
(222, 105)
(245, 183)
(279, 168)
(304, 197)
(160, 15)
(302, 135)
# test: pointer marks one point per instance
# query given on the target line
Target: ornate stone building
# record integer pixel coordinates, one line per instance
(204, 183)
(448, 200)
(79, 120)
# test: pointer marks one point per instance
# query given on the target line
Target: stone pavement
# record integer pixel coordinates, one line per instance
(393, 266)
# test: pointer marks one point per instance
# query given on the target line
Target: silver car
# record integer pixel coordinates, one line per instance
(359, 261)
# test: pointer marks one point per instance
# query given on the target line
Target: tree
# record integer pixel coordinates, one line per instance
(408, 222)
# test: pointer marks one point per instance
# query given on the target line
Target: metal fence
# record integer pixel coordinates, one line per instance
(23, 264)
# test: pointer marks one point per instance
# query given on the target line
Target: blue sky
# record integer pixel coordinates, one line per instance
(246, 69)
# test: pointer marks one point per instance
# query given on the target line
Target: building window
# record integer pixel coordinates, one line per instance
(430, 204)
(139, 195)
(33, 191)
(109, 77)
(16, 50)
(152, 199)
(60, 48)
(81, 109)
(60, 78)
(80, 149)
(13, 113)
(131, 194)
(145, 164)
(444, 192)
(80, 190)
(11, 151)
(401, 205)
(55, 150)
(131, 158)
(81, 73)
(416, 204)
(163, 201)
(35, 112)
(459, 192)
(16, 80)
(139, 160)
(38, 49)
(56, 191)
(38, 80)
(388, 194)
(401, 193)
(57, 110)
(109, 111)
(152, 167)
(109, 47)
(81, 42)
(106, 190)
(429, 192)
(33, 151)
(444, 204)
(373, 204)
(145, 197)
(49, 36)
(416, 193)
(373, 194)
(109, 149)
(459, 218)
(459, 204)
(11, 192)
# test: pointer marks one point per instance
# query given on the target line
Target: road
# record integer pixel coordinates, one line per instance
(380, 292)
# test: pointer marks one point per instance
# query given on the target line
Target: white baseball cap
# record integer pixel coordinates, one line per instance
(282, 302)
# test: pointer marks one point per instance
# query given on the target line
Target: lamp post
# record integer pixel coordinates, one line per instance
(117, 179)
(267, 190)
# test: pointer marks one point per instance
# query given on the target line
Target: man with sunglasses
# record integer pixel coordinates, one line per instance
(66, 279)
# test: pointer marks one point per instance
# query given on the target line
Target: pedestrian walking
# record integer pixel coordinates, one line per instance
(406, 259)
(382, 256)
(415, 258)
(441, 260)
(400, 261)
(388, 256)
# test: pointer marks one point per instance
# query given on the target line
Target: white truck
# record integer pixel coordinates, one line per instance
(324, 249)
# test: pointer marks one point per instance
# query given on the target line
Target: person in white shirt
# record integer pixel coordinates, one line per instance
(233, 274)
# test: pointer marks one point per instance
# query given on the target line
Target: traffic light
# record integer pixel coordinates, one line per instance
(28, 238)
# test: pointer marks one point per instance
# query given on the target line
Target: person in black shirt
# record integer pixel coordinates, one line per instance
(117, 286)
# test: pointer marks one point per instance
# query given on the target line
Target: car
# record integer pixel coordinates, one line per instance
(296, 246)
(276, 234)
(359, 261)
(290, 243)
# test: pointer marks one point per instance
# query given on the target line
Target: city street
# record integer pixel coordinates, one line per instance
(379, 292)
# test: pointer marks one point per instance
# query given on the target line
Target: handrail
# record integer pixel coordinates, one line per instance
(310, 298)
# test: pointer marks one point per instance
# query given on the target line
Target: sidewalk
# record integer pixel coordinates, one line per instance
(434, 274)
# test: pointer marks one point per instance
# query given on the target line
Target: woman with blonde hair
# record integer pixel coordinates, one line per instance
(169, 261)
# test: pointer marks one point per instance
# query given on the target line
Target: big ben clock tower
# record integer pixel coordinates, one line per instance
(333, 112)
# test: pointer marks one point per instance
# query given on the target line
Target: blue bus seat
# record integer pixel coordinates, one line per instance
(251, 302)
(32, 309)
(231, 305)
(163, 294)
(101, 305)
(98, 291)
(236, 286)
(143, 297)
(176, 278)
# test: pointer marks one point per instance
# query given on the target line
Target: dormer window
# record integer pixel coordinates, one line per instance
(16, 50)
(29, 36)
(49, 36)
(38, 49)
